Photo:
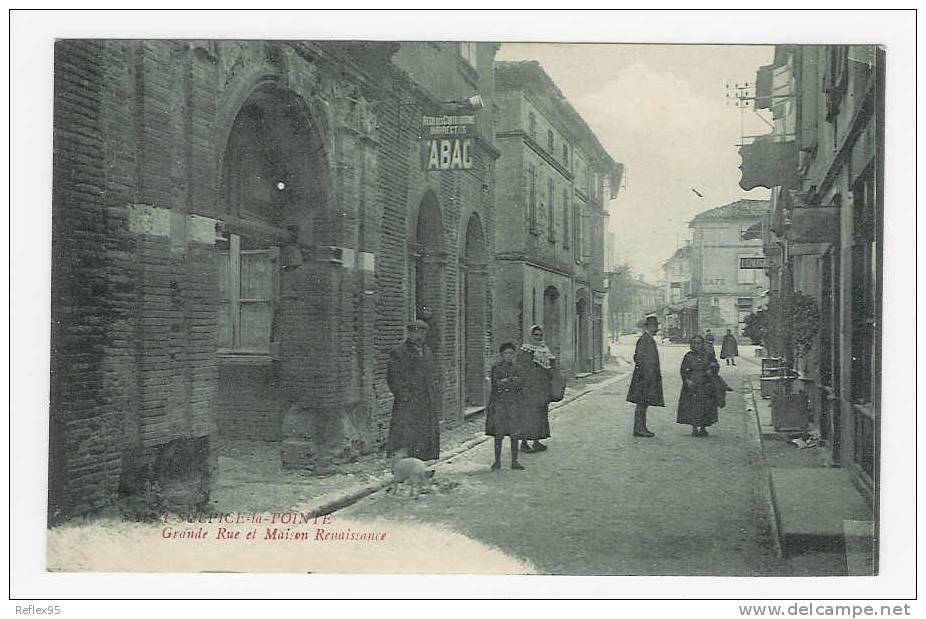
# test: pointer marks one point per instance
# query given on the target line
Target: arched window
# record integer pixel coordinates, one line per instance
(270, 183)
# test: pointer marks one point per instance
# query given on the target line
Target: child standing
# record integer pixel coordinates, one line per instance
(503, 416)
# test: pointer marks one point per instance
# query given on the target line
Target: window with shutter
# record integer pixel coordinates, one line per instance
(248, 289)
(586, 237)
(532, 198)
(551, 211)
(577, 230)
(566, 215)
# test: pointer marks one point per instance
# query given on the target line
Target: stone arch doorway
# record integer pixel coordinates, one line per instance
(427, 266)
(551, 319)
(473, 314)
(273, 191)
(583, 363)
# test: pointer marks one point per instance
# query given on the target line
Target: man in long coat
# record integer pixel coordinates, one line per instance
(646, 384)
(416, 409)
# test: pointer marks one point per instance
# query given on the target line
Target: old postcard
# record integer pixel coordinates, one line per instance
(466, 307)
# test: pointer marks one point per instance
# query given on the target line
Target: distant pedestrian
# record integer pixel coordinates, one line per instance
(697, 404)
(646, 384)
(537, 364)
(709, 341)
(504, 414)
(729, 349)
(416, 410)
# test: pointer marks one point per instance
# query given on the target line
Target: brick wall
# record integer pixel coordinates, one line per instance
(141, 132)
(84, 458)
(403, 185)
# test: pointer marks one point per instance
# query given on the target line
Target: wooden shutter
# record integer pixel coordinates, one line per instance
(258, 283)
(226, 331)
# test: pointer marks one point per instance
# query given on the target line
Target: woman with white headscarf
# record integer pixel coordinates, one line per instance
(537, 363)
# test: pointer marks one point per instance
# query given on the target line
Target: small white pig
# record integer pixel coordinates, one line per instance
(411, 470)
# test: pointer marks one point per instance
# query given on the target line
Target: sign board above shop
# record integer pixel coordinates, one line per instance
(447, 125)
(446, 144)
(755, 262)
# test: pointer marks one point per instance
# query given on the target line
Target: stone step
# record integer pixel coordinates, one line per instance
(473, 411)
(813, 506)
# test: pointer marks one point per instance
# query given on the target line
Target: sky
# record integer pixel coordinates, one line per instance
(660, 110)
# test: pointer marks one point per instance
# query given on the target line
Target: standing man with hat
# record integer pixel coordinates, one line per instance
(646, 385)
(410, 375)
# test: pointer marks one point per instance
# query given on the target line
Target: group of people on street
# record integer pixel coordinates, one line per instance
(523, 383)
(703, 389)
(526, 379)
(519, 402)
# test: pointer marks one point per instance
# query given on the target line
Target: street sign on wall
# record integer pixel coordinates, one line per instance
(445, 142)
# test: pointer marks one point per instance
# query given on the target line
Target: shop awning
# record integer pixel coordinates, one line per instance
(814, 225)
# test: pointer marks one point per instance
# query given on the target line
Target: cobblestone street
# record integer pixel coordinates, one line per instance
(601, 501)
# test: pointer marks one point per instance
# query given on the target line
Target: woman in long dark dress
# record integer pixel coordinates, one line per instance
(537, 363)
(729, 350)
(504, 413)
(697, 404)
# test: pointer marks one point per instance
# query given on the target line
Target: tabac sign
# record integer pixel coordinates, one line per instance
(446, 142)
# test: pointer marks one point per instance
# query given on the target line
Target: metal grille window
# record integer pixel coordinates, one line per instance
(551, 142)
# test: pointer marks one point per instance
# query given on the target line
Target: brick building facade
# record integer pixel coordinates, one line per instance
(554, 180)
(241, 230)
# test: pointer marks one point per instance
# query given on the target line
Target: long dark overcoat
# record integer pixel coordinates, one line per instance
(505, 412)
(646, 383)
(416, 409)
(728, 347)
(697, 404)
(535, 397)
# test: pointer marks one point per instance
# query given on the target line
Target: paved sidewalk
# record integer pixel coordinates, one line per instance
(252, 479)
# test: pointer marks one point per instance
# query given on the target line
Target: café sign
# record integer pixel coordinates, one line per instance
(446, 142)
